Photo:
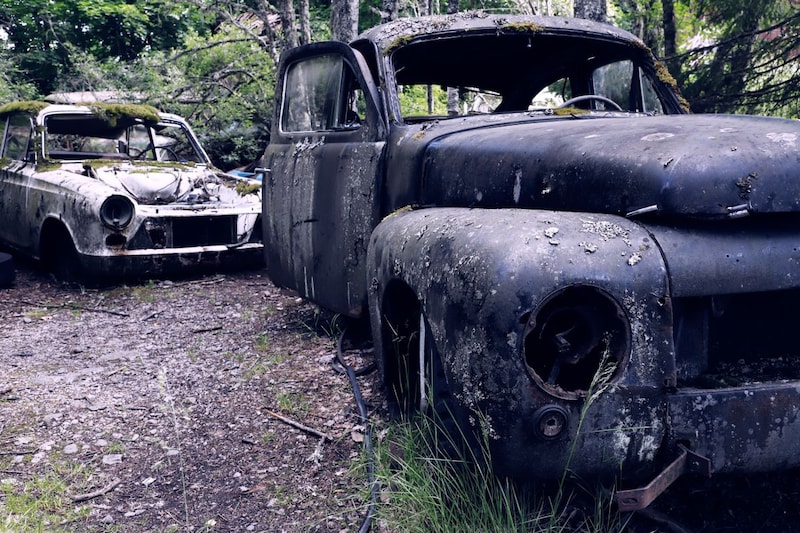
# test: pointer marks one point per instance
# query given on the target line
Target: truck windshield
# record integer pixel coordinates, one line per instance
(519, 72)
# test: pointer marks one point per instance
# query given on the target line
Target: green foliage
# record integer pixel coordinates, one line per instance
(734, 56)
(222, 82)
(43, 33)
(426, 492)
(742, 57)
(414, 100)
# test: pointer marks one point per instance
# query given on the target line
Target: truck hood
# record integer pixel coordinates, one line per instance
(689, 165)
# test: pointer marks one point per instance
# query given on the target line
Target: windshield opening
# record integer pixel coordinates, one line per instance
(518, 72)
(85, 136)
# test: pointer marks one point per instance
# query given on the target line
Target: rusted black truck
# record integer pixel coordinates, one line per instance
(542, 235)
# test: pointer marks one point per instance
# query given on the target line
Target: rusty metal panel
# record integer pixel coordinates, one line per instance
(742, 429)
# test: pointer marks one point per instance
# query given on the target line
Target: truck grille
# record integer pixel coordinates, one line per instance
(203, 231)
(732, 340)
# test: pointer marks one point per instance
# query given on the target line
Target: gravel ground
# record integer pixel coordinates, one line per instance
(158, 407)
(173, 406)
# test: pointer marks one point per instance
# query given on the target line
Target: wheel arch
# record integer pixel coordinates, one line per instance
(396, 333)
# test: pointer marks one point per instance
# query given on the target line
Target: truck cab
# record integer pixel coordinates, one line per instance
(546, 242)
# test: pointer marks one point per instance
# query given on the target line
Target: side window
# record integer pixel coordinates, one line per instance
(624, 83)
(321, 94)
(652, 104)
(18, 135)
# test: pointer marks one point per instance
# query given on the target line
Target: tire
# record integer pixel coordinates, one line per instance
(7, 272)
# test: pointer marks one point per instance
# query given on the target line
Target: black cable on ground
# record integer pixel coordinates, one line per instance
(366, 523)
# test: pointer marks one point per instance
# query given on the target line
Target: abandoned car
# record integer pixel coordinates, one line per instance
(550, 248)
(110, 190)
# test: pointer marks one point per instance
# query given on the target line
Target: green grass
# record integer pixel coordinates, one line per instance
(294, 403)
(424, 492)
(44, 503)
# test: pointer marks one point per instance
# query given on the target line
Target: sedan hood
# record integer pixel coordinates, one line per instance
(172, 184)
(691, 165)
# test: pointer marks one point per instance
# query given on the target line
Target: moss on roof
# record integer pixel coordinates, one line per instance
(27, 106)
(111, 113)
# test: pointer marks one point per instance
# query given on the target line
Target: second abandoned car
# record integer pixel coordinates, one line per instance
(112, 190)
(547, 243)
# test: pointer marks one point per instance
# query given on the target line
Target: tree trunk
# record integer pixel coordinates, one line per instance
(305, 22)
(591, 9)
(389, 10)
(344, 20)
(288, 24)
(670, 36)
(452, 92)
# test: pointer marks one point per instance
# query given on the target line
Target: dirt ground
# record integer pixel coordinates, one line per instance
(173, 406)
(159, 405)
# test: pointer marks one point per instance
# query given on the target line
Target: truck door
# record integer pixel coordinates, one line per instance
(324, 159)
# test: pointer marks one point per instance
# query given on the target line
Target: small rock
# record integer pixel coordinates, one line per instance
(71, 449)
(112, 459)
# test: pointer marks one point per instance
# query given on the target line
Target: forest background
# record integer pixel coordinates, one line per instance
(213, 61)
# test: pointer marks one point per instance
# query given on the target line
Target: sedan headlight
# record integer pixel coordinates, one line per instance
(117, 212)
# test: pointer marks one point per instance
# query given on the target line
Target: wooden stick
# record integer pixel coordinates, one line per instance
(75, 307)
(99, 492)
(206, 330)
(300, 426)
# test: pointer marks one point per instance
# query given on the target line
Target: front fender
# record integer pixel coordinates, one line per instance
(481, 275)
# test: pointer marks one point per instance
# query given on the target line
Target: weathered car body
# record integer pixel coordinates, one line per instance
(112, 191)
(605, 282)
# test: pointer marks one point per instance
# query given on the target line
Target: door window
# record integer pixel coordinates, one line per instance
(321, 94)
(17, 138)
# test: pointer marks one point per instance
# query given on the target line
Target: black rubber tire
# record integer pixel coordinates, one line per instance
(7, 272)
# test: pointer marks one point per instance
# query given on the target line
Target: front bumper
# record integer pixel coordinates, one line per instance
(162, 262)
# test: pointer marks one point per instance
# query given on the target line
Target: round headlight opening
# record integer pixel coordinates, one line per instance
(117, 212)
(578, 332)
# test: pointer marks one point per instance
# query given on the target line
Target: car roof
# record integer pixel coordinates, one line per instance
(396, 33)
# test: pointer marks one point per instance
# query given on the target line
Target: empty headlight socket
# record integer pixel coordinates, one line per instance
(570, 336)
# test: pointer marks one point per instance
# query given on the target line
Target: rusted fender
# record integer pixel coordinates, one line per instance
(481, 274)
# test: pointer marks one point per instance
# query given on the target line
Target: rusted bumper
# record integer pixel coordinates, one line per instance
(745, 429)
(751, 428)
(157, 263)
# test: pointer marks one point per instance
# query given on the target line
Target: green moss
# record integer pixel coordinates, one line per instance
(159, 164)
(47, 166)
(4, 162)
(567, 111)
(522, 27)
(28, 106)
(101, 163)
(663, 74)
(399, 42)
(244, 187)
(111, 113)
